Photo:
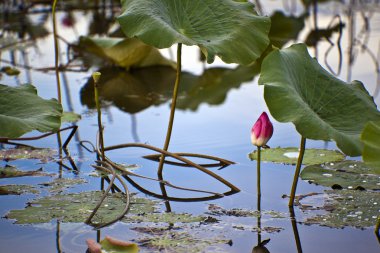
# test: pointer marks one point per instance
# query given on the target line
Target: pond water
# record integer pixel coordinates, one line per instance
(210, 119)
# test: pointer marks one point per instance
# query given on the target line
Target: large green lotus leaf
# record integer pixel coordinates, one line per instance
(111, 245)
(322, 107)
(124, 52)
(229, 29)
(22, 110)
(290, 155)
(345, 208)
(346, 174)
(371, 140)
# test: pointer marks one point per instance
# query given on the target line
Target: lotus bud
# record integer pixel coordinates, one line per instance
(261, 131)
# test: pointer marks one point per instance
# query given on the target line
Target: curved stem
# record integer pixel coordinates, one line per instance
(377, 228)
(100, 126)
(56, 53)
(297, 172)
(172, 109)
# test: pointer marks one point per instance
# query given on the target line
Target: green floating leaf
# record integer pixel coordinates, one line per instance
(347, 208)
(70, 117)
(371, 140)
(59, 185)
(111, 245)
(290, 155)
(229, 29)
(322, 107)
(124, 52)
(42, 154)
(171, 218)
(17, 189)
(346, 174)
(237, 212)
(10, 171)
(22, 110)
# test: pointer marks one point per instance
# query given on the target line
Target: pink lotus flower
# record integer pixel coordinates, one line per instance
(261, 131)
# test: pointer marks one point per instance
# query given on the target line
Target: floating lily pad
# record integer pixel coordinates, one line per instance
(124, 52)
(22, 110)
(214, 25)
(346, 174)
(59, 185)
(170, 218)
(17, 189)
(347, 208)
(322, 107)
(268, 230)
(10, 171)
(238, 212)
(290, 155)
(70, 117)
(42, 154)
(69, 208)
(371, 140)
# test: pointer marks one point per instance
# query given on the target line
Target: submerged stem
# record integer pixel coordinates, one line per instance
(172, 108)
(56, 53)
(297, 172)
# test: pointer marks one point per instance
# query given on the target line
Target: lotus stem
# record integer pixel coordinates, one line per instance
(258, 172)
(96, 77)
(295, 229)
(297, 172)
(377, 227)
(56, 49)
(172, 109)
(259, 220)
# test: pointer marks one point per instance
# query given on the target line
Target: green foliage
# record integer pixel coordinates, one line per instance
(22, 110)
(10, 171)
(322, 107)
(124, 52)
(70, 117)
(371, 140)
(42, 154)
(290, 155)
(346, 174)
(213, 25)
(17, 189)
(110, 245)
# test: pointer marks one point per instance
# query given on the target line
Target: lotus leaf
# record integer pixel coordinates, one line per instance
(214, 25)
(42, 154)
(124, 52)
(290, 155)
(111, 245)
(346, 174)
(70, 117)
(347, 208)
(10, 171)
(17, 189)
(322, 107)
(371, 140)
(22, 110)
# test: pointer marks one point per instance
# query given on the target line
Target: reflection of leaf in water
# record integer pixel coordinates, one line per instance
(290, 155)
(315, 36)
(42, 154)
(17, 189)
(124, 52)
(285, 28)
(10, 171)
(346, 174)
(135, 90)
(347, 208)
(131, 91)
(213, 85)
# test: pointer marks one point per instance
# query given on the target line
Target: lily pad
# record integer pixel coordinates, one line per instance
(346, 174)
(59, 185)
(347, 208)
(214, 25)
(170, 218)
(70, 117)
(22, 110)
(238, 212)
(124, 52)
(42, 154)
(371, 140)
(10, 171)
(290, 155)
(17, 189)
(322, 107)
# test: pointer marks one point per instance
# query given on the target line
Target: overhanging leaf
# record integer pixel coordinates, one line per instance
(346, 174)
(322, 107)
(290, 155)
(124, 52)
(371, 140)
(229, 29)
(70, 117)
(22, 110)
